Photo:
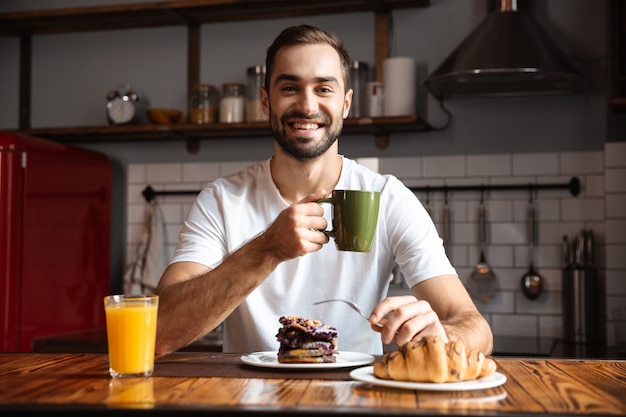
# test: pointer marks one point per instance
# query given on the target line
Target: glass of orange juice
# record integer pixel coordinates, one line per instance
(131, 334)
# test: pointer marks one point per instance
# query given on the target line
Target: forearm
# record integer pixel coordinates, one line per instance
(190, 308)
(472, 329)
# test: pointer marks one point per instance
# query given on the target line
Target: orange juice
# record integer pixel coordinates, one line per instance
(131, 333)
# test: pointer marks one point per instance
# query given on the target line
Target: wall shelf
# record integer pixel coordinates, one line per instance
(192, 14)
(363, 125)
(379, 127)
(177, 13)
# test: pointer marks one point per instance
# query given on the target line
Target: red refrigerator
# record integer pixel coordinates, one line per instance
(55, 232)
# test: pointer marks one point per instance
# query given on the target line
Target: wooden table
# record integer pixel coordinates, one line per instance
(217, 384)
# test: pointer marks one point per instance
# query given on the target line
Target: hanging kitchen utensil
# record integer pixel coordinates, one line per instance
(483, 283)
(428, 207)
(532, 281)
(566, 253)
(588, 255)
(579, 250)
(446, 223)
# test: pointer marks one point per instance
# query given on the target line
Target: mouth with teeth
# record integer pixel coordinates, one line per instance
(306, 123)
(306, 126)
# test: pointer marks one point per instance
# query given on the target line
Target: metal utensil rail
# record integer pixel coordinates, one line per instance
(573, 186)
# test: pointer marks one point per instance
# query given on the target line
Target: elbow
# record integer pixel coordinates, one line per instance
(163, 346)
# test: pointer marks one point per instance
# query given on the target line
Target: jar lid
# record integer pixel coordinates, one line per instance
(358, 64)
(233, 88)
(203, 87)
(257, 69)
(237, 85)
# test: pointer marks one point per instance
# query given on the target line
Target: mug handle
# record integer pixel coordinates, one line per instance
(330, 233)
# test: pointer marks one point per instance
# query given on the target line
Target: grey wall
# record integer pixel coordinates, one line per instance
(73, 72)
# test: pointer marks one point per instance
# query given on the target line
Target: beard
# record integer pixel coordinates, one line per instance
(301, 148)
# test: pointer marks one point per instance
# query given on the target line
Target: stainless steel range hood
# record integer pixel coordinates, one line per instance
(508, 54)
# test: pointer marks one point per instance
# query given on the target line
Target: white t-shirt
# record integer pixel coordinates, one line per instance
(232, 210)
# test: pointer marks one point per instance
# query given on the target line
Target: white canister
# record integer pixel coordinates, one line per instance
(374, 99)
(399, 76)
(232, 103)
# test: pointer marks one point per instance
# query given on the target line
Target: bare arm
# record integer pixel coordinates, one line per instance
(194, 299)
(457, 312)
(440, 305)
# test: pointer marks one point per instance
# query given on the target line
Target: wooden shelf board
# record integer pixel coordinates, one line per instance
(172, 13)
(377, 126)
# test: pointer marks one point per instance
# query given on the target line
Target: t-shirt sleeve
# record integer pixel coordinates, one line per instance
(414, 240)
(202, 237)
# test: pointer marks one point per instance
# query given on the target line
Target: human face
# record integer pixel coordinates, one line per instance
(307, 101)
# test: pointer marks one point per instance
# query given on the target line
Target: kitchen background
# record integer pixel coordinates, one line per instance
(599, 207)
(513, 140)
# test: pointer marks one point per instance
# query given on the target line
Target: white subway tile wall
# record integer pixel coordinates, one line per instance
(600, 206)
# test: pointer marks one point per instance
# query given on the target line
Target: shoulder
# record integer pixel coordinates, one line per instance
(250, 177)
(355, 174)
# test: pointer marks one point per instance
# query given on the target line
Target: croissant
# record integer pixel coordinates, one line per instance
(432, 360)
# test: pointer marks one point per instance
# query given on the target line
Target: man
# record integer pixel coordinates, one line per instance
(251, 249)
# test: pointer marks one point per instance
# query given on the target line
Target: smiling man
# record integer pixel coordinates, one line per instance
(251, 249)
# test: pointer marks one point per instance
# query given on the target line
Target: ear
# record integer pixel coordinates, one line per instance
(265, 101)
(347, 103)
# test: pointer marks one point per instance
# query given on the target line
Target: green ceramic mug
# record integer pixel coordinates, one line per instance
(355, 216)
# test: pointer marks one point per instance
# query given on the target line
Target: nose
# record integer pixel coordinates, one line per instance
(307, 101)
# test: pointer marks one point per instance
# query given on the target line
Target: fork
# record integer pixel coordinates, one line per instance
(352, 305)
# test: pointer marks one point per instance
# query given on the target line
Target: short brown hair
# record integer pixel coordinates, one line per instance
(301, 35)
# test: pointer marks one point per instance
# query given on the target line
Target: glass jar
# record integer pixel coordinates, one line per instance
(256, 80)
(232, 103)
(359, 77)
(203, 104)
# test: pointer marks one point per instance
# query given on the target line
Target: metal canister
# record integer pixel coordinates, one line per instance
(359, 77)
(582, 321)
(581, 314)
(256, 80)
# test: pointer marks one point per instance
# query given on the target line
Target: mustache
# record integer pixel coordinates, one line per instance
(300, 115)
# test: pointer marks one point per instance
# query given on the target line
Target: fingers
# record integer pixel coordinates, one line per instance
(423, 324)
(388, 305)
(296, 230)
(405, 318)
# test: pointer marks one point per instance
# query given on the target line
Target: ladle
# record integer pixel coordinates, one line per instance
(532, 281)
(483, 283)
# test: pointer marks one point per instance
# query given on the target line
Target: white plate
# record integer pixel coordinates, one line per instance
(366, 374)
(343, 360)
